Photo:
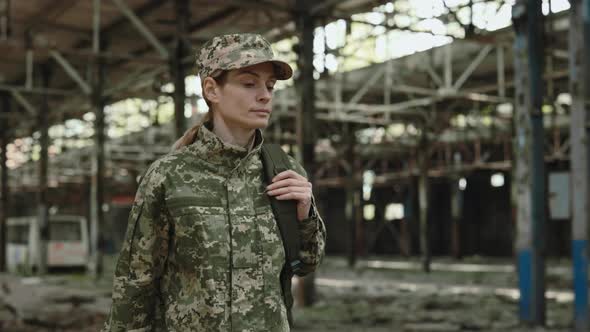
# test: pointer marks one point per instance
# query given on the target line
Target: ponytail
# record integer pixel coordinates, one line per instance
(190, 135)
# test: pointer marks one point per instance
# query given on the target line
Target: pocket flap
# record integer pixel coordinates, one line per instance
(179, 206)
(196, 209)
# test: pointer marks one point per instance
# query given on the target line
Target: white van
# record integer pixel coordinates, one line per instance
(68, 244)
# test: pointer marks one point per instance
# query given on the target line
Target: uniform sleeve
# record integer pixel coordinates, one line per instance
(313, 233)
(142, 259)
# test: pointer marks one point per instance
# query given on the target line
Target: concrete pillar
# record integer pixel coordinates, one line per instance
(423, 164)
(529, 158)
(579, 46)
(98, 103)
(178, 70)
(305, 87)
(352, 199)
(97, 171)
(42, 193)
(456, 216)
(5, 110)
(409, 217)
(359, 244)
(97, 179)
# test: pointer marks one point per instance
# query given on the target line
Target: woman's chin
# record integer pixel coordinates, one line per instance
(258, 123)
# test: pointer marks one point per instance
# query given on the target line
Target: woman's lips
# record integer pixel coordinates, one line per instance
(261, 111)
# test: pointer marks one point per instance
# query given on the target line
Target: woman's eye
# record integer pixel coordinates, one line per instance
(249, 85)
(270, 88)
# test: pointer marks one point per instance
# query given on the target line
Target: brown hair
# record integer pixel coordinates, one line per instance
(190, 135)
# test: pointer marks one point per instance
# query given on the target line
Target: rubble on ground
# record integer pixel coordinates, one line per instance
(348, 299)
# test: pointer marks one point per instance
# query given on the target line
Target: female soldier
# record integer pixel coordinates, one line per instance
(202, 250)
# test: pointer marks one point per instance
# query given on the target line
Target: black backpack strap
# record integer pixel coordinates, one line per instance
(275, 161)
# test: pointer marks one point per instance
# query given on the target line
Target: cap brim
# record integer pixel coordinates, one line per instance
(282, 70)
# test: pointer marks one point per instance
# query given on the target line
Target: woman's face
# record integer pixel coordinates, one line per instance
(245, 100)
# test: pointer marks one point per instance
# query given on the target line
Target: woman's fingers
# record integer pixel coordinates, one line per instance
(289, 182)
(288, 174)
(285, 190)
(289, 185)
(298, 196)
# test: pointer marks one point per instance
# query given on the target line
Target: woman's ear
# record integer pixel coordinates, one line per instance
(211, 90)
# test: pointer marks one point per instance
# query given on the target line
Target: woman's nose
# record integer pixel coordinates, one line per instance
(265, 95)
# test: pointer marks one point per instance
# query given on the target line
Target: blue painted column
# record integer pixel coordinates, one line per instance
(578, 72)
(529, 168)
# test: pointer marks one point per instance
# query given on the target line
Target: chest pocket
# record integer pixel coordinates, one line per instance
(201, 234)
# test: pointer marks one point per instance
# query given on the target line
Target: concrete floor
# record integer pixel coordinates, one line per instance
(475, 294)
(394, 295)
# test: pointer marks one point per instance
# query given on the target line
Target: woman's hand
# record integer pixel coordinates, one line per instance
(290, 185)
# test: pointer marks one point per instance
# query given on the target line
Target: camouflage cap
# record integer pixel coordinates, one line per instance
(237, 51)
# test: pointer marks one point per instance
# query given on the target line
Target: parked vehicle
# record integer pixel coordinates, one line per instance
(68, 244)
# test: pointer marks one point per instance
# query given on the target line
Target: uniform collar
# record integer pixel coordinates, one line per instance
(212, 149)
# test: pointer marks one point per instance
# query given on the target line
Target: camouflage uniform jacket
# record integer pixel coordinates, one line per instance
(202, 250)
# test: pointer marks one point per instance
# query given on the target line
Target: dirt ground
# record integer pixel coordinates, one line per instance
(395, 295)
(376, 295)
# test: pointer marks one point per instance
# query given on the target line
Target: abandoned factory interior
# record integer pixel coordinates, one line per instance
(434, 163)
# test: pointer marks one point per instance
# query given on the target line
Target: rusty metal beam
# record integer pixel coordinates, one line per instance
(71, 71)
(142, 28)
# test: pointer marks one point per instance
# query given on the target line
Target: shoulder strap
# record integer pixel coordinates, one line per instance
(275, 161)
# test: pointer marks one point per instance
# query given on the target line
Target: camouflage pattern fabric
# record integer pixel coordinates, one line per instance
(237, 51)
(202, 250)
